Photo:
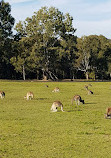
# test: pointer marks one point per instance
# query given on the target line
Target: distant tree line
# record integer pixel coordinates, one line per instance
(45, 47)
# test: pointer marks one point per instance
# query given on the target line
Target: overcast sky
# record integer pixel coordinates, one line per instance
(91, 17)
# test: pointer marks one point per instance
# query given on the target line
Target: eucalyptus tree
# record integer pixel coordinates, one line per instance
(47, 28)
(6, 25)
(100, 52)
(84, 55)
(93, 53)
(67, 55)
(101, 57)
(21, 51)
(107, 56)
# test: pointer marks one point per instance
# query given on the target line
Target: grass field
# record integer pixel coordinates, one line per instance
(29, 130)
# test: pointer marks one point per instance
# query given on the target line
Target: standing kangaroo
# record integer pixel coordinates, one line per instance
(29, 95)
(55, 105)
(2, 94)
(77, 99)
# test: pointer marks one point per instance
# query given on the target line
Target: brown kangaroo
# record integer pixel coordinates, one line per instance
(55, 105)
(77, 99)
(89, 91)
(56, 89)
(29, 95)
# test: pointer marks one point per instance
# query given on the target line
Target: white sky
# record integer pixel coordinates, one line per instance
(90, 16)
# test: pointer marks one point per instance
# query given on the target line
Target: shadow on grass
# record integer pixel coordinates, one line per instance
(65, 111)
(90, 103)
(84, 133)
(73, 110)
(40, 98)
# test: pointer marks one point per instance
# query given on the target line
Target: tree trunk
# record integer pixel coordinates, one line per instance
(63, 74)
(73, 76)
(23, 72)
(44, 76)
(37, 74)
(87, 75)
(95, 77)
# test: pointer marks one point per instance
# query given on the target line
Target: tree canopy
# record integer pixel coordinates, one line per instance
(45, 47)
(51, 38)
(6, 25)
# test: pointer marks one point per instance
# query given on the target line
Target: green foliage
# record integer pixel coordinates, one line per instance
(45, 46)
(6, 20)
(29, 129)
(93, 53)
(52, 34)
(92, 75)
(6, 25)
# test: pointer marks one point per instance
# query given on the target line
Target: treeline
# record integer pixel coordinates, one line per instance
(45, 47)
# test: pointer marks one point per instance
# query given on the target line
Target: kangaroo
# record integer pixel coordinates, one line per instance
(89, 92)
(108, 113)
(55, 105)
(2, 94)
(86, 87)
(77, 99)
(29, 95)
(56, 89)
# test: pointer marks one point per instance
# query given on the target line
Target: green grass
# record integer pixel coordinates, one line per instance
(29, 130)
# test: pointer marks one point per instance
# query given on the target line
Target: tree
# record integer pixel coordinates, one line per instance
(99, 46)
(22, 50)
(84, 54)
(107, 56)
(93, 53)
(6, 24)
(67, 55)
(47, 28)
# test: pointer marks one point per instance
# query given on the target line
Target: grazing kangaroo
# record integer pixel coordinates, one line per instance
(86, 87)
(56, 89)
(2, 94)
(55, 105)
(29, 95)
(77, 99)
(108, 113)
(89, 92)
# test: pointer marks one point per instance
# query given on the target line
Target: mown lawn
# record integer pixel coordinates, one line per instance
(29, 130)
